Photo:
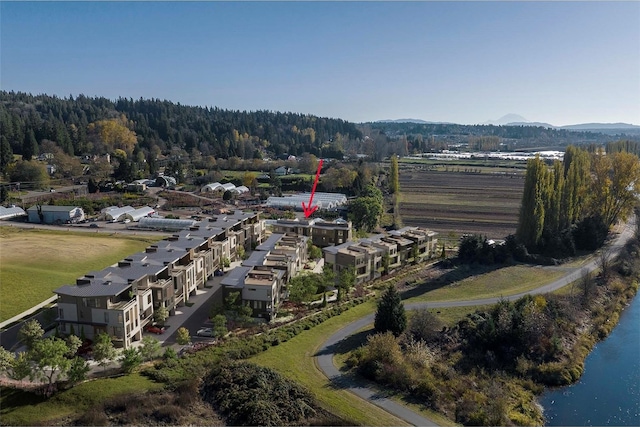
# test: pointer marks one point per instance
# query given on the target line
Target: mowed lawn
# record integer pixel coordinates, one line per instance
(502, 282)
(35, 262)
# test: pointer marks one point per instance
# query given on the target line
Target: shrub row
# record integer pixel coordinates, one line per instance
(247, 347)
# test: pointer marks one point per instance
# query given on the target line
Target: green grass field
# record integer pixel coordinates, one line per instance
(35, 262)
(503, 282)
(21, 408)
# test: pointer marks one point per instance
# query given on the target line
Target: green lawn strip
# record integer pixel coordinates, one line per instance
(23, 408)
(502, 282)
(27, 282)
(295, 359)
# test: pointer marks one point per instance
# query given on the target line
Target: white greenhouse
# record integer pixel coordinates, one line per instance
(118, 214)
(11, 212)
(327, 201)
(166, 223)
(137, 214)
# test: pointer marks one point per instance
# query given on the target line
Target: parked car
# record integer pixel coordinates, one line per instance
(154, 329)
(94, 225)
(205, 332)
(218, 273)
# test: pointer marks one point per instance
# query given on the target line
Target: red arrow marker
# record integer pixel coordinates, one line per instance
(308, 210)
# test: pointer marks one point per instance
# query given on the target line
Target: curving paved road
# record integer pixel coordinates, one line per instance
(325, 355)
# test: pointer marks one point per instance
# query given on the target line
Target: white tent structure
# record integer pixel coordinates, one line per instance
(209, 188)
(137, 214)
(118, 214)
(240, 190)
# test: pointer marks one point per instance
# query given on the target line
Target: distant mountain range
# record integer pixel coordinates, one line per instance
(518, 120)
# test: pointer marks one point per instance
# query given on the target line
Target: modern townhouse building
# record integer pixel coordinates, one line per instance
(120, 300)
(382, 253)
(322, 233)
(261, 280)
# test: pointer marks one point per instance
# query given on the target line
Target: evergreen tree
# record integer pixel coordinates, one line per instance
(30, 145)
(390, 315)
(6, 154)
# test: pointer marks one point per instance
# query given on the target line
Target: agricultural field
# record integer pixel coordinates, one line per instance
(455, 202)
(35, 262)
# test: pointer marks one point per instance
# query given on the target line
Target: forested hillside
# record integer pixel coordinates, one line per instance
(84, 125)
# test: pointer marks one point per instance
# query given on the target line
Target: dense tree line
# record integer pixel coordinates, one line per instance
(86, 125)
(573, 204)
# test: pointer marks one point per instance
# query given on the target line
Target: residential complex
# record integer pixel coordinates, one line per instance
(382, 253)
(322, 233)
(120, 299)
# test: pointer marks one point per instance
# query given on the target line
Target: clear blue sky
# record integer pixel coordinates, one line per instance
(463, 62)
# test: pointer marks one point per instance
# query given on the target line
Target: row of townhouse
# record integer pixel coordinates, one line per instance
(382, 253)
(322, 233)
(121, 299)
(262, 278)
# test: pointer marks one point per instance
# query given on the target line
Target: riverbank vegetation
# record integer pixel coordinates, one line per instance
(489, 367)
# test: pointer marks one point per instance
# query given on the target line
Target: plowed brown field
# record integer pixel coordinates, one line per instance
(459, 202)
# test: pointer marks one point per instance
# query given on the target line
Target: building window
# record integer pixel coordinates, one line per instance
(120, 318)
(149, 299)
(127, 316)
(106, 317)
(61, 313)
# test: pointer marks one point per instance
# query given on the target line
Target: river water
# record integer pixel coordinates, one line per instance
(608, 393)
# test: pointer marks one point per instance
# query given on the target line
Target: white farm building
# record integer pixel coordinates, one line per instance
(115, 213)
(327, 201)
(217, 187)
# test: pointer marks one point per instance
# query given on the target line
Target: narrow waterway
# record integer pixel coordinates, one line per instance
(608, 394)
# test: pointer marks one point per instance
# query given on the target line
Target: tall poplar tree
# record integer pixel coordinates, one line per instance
(532, 209)
(394, 179)
(576, 186)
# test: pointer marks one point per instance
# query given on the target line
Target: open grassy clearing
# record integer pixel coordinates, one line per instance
(502, 282)
(295, 359)
(24, 408)
(35, 262)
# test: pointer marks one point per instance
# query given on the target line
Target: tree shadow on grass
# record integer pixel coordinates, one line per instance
(348, 344)
(458, 274)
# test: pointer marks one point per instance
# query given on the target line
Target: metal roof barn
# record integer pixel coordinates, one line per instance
(47, 214)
